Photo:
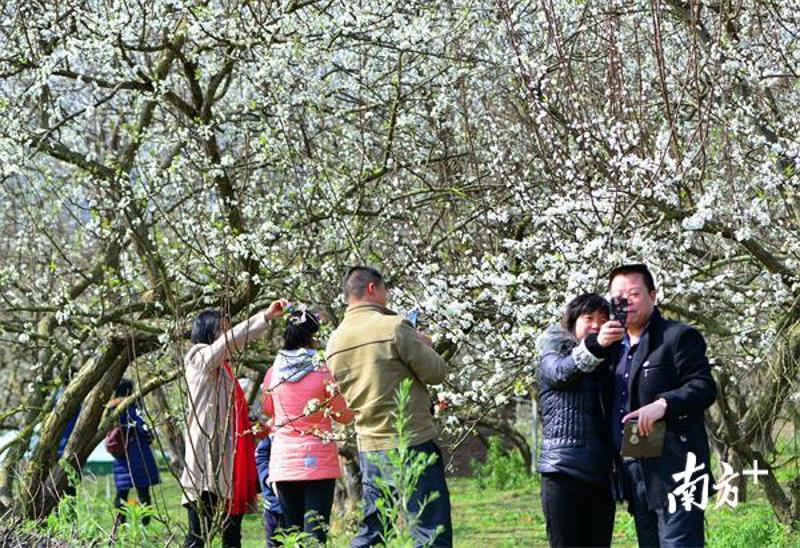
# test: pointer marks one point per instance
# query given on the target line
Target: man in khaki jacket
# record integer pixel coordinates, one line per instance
(369, 354)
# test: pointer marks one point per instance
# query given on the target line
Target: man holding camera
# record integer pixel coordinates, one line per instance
(661, 372)
(371, 352)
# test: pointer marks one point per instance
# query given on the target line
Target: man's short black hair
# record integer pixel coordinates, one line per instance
(358, 279)
(588, 303)
(637, 268)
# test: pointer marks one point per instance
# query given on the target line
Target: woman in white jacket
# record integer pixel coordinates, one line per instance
(218, 437)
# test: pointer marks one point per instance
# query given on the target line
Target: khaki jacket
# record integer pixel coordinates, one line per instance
(209, 428)
(371, 351)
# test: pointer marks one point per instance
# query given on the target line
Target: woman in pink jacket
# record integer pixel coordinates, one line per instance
(300, 395)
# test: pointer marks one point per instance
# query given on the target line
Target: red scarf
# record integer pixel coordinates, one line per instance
(245, 474)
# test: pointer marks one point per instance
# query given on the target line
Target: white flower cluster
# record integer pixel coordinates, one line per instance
(167, 157)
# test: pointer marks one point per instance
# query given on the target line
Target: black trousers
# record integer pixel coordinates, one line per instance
(307, 505)
(201, 520)
(122, 497)
(578, 513)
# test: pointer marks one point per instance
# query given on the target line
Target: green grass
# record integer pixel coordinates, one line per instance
(481, 516)
(496, 518)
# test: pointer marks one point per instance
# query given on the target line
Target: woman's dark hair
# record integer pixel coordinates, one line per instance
(124, 388)
(206, 327)
(300, 331)
(588, 303)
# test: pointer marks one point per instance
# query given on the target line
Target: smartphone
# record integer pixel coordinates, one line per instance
(619, 310)
(413, 316)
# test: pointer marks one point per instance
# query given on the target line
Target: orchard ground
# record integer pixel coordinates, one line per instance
(486, 515)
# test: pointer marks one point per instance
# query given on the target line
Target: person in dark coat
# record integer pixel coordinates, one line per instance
(62, 442)
(273, 512)
(661, 372)
(62, 445)
(138, 469)
(575, 461)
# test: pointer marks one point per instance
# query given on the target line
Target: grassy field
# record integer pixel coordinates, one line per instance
(485, 517)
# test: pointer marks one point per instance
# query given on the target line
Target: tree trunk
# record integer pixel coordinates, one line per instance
(170, 432)
(746, 434)
(45, 480)
(47, 486)
(349, 492)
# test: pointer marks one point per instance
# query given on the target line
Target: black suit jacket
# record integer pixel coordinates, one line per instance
(670, 362)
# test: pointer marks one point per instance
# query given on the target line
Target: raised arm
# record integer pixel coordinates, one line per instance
(235, 339)
(424, 361)
(562, 361)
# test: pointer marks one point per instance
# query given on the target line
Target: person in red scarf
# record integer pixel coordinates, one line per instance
(220, 467)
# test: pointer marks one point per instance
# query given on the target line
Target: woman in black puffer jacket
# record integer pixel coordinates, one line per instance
(574, 395)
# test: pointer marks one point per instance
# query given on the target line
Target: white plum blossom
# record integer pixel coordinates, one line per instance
(157, 159)
(312, 406)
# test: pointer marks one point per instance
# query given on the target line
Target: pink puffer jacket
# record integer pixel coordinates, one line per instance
(302, 399)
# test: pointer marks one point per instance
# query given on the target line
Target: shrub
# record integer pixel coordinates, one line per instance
(401, 471)
(503, 469)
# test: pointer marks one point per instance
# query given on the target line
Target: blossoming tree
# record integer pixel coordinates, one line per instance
(492, 158)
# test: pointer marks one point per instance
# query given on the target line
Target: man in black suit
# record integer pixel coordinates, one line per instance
(660, 372)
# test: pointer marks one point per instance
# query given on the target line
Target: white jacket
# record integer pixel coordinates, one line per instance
(209, 429)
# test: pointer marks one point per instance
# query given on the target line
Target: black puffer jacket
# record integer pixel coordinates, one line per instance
(574, 393)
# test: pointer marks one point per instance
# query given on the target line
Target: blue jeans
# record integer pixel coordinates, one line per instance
(660, 528)
(436, 513)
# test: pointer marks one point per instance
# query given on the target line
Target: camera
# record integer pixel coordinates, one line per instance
(619, 310)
